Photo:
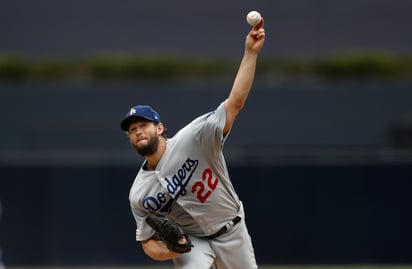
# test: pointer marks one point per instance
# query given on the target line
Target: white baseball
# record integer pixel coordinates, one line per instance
(253, 18)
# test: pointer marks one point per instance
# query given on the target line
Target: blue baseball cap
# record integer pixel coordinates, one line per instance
(142, 111)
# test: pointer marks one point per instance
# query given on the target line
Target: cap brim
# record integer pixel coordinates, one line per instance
(125, 124)
(126, 121)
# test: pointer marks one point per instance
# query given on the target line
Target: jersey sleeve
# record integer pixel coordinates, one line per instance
(143, 230)
(209, 129)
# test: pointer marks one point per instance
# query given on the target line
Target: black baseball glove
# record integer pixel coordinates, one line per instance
(170, 233)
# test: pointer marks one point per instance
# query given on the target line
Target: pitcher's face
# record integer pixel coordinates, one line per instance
(144, 136)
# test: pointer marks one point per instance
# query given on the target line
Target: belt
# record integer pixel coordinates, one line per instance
(225, 228)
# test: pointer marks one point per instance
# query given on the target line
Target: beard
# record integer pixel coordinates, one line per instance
(150, 148)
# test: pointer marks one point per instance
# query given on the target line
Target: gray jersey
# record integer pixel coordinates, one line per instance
(191, 184)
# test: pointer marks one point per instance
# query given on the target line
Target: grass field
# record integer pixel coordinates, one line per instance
(261, 267)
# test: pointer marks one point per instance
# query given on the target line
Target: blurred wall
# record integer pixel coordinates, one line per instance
(295, 214)
(205, 28)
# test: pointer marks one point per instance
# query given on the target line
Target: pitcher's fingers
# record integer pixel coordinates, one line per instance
(260, 24)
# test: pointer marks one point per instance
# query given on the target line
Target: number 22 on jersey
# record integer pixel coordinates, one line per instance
(205, 187)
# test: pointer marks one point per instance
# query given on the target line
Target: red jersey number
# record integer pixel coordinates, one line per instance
(206, 186)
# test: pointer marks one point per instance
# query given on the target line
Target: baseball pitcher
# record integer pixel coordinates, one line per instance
(185, 206)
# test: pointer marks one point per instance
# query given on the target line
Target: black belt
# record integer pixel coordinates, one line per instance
(225, 228)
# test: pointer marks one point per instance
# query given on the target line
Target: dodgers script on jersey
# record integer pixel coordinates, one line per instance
(190, 184)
